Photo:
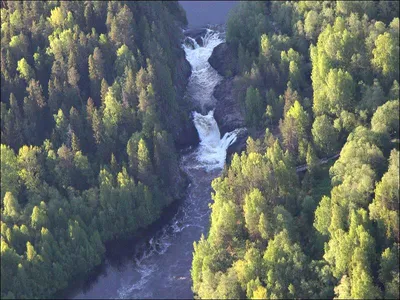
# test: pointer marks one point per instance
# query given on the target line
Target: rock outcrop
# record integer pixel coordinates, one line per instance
(196, 34)
(223, 59)
(239, 145)
(228, 113)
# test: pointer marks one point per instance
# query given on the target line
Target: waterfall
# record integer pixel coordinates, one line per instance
(211, 153)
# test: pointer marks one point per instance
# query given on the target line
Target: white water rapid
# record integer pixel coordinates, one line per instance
(158, 265)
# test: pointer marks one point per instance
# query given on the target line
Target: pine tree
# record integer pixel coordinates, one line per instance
(113, 164)
(75, 144)
(145, 167)
(312, 161)
(96, 73)
(132, 151)
(103, 91)
(254, 107)
(97, 126)
(290, 98)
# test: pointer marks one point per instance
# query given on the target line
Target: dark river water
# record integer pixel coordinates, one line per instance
(201, 13)
(158, 264)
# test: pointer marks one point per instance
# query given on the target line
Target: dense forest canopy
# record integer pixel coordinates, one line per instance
(323, 77)
(89, 105)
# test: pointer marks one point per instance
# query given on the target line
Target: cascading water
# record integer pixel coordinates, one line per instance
(211, 153)
(161, 265)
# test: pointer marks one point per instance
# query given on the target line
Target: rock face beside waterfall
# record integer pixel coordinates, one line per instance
(228, 113)
(187, 134)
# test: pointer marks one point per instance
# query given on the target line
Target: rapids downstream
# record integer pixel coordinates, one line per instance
(160, 266)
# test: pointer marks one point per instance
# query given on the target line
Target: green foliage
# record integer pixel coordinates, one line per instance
(372, 97)
(389, 271)
(145, 167)
(295, 130)
(311, 24)
(57, 17)
(254, 205)
(329, 73)
(338, 94)
(285, 266)
(9, 171)
(246, 23)
(70, 90)
(385, 119)
(385, 206)
(325, 136)
(322, 215)
(25, 70)
(86, 174)
(386, 55)
(11, 207)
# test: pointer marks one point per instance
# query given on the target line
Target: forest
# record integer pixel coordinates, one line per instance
(315, 79)
(92, 118)
(90, 104)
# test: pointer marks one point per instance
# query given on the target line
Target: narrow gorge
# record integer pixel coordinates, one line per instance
(159, 265)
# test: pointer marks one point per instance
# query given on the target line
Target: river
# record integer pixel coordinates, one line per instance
(158, 265)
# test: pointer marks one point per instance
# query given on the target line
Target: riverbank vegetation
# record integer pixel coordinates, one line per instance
(89, 102)
(325, 76)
